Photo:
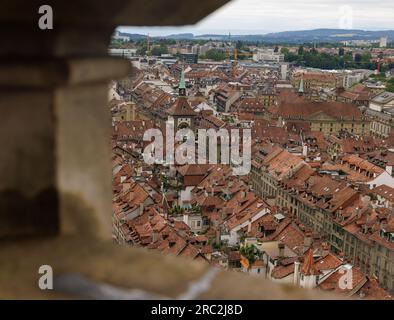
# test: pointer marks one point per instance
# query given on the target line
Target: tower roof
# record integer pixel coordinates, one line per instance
(181, 107)
(182, 84)
(301, 87)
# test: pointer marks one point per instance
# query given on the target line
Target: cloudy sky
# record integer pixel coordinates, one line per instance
(263, 16)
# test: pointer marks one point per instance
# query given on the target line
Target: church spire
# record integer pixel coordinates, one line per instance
(182, 85)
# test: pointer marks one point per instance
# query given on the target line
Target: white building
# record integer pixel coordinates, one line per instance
(117, 36)
(383, 42)
(382, 101)
(355, 76)
(283, 71)
(268, 55)
(124, 53)
(233, 236)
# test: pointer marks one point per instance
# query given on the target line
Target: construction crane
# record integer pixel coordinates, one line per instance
(235, 58)
(236, 54)
(147, 45)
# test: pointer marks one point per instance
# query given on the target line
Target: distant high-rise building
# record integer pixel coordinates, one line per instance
(383, 42)
(189, 57)
(283, 71)
(268, 55)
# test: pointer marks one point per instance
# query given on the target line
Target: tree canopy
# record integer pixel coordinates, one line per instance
(250, 252)
(215, 54)
(313, 58)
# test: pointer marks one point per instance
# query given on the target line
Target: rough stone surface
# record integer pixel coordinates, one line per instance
(111, 13)
(125, 268)
(28, 197)
(83, 151)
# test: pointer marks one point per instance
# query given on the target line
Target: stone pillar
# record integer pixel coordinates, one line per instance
(28, 195)
(55, 131)
(55, 166)
(55, 169)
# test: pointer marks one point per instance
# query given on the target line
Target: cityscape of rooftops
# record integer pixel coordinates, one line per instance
(315, 210)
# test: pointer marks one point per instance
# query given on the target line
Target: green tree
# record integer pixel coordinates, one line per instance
(196, 208)
(390, 85)
(250, 252)
(366, 58)
(291, 57)
(159, 50)
(141, 51)
(239, 44)
(284, 50)
(176, 210)
(215, 54)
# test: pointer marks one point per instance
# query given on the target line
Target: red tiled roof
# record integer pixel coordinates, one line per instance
(305, 110)
(309, 266)
(181, 107)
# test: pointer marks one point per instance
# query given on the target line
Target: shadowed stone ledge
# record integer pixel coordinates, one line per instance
(125, 268)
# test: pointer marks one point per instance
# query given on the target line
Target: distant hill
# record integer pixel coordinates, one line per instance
(179, 36)
(133, 36)
(301, 36)
(326, 35)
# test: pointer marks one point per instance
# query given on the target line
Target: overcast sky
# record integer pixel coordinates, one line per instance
(263, 16)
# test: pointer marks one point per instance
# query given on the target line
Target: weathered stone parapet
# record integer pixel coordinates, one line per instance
(91, 13)
(125, 268)
(55, 128)
(60, 72)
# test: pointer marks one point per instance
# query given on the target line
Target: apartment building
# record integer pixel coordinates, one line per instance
(340, 214)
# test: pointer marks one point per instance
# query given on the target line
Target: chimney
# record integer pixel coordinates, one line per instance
(325, 249)
(250, 226)
(305, 150)
(217, 234)
(281, 247)
(155, 236)
(186, 218)
(133, 113)
(141, 208)
(128, 111)
(296, 273)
